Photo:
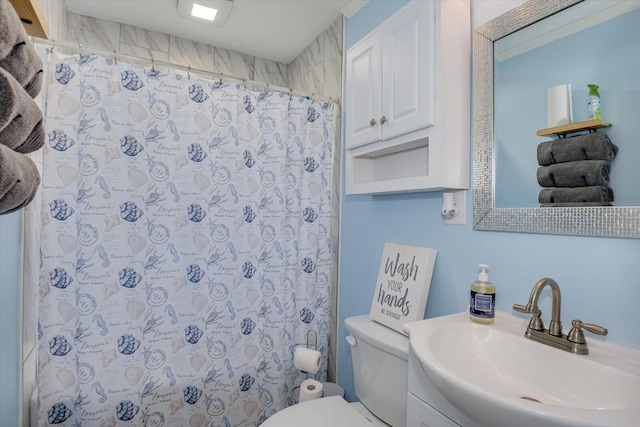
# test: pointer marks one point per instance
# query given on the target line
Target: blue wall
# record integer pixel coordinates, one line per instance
(9, 298)
(598, 276)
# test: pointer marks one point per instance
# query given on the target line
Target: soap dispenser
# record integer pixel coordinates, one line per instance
(483, 298)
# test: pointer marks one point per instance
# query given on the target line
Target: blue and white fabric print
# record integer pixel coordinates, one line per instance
(185, 247)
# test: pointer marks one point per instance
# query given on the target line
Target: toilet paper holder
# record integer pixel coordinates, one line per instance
(315, 339)
(312, 343)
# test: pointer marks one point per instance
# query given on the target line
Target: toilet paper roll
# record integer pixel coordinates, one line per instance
(305, 359)
(309, 390)
(559, 108)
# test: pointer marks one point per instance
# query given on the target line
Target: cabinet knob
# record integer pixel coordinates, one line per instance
(383, 120)
(372, 122)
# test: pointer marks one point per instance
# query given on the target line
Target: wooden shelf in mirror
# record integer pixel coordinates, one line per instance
(32, 17)
(573, 127)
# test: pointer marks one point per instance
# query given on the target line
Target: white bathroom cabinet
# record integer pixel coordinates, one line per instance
(390, 77)
(407, 102)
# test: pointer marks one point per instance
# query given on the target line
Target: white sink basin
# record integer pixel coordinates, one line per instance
(497, 377)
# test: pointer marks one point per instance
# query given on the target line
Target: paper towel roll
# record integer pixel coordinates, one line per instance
(305, 359)
(559, 108)
(309, 390)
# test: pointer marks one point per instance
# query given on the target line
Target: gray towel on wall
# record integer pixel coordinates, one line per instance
(11, 29)
(601, 195)
(574, 174)
(17, 53)
(593, 146)
(20, 117)
(574, 205)
(24, 64)
(19, 180)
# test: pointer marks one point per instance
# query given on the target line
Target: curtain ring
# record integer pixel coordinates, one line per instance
(290, 94)
(189, 72)
(115, 58)
(267, 91)
(153, 67)
(244, 83)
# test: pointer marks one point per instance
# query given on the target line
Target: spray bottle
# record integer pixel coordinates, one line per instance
(594, 103)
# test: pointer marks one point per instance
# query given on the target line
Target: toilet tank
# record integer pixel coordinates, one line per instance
(379, 356)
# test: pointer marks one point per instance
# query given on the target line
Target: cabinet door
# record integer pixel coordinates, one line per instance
(408, 64)
(363, 92)
(419, 414)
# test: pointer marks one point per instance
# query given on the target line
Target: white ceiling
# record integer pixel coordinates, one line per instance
(278, 30)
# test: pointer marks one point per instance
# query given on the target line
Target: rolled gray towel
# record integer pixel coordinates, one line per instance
(596, 194)
(24, 64)
(19, 180)
(17, 53)
(20, 117)
(593, 146)
(11, 29)
(574, 205)
(574, 174)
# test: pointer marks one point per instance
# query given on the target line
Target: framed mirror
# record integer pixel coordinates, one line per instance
(606, 221)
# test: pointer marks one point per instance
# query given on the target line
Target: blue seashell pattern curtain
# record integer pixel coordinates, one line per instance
(185, 247)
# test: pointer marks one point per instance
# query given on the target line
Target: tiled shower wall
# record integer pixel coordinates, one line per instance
(318, 70)
(164, 47)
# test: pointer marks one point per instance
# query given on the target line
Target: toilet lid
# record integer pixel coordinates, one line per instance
(326, 412)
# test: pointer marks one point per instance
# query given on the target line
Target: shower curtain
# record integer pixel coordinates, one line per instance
(185, 247)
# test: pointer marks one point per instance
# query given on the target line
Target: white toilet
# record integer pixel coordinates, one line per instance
(380, 375)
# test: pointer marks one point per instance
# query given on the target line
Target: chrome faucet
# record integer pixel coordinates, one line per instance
(574, 342)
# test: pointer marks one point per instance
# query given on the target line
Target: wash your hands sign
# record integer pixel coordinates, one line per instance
(403, 285)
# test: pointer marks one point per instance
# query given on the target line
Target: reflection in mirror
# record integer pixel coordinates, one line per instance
(592, 46)
(561, 52)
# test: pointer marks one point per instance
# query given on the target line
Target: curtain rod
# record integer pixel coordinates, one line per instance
(268, 87)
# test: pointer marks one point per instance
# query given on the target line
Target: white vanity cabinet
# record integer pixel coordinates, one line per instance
(407, 101)
(426, 407)
(419, 414)
(390, 77)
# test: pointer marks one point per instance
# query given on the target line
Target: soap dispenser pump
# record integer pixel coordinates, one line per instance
(483, 298)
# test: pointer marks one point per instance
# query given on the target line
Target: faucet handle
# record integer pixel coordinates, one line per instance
(595, 329)
(527, 309)
(576, 335)
(520, 308)
(536, 322)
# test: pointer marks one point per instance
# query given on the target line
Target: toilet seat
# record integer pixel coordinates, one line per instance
(329, 411)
